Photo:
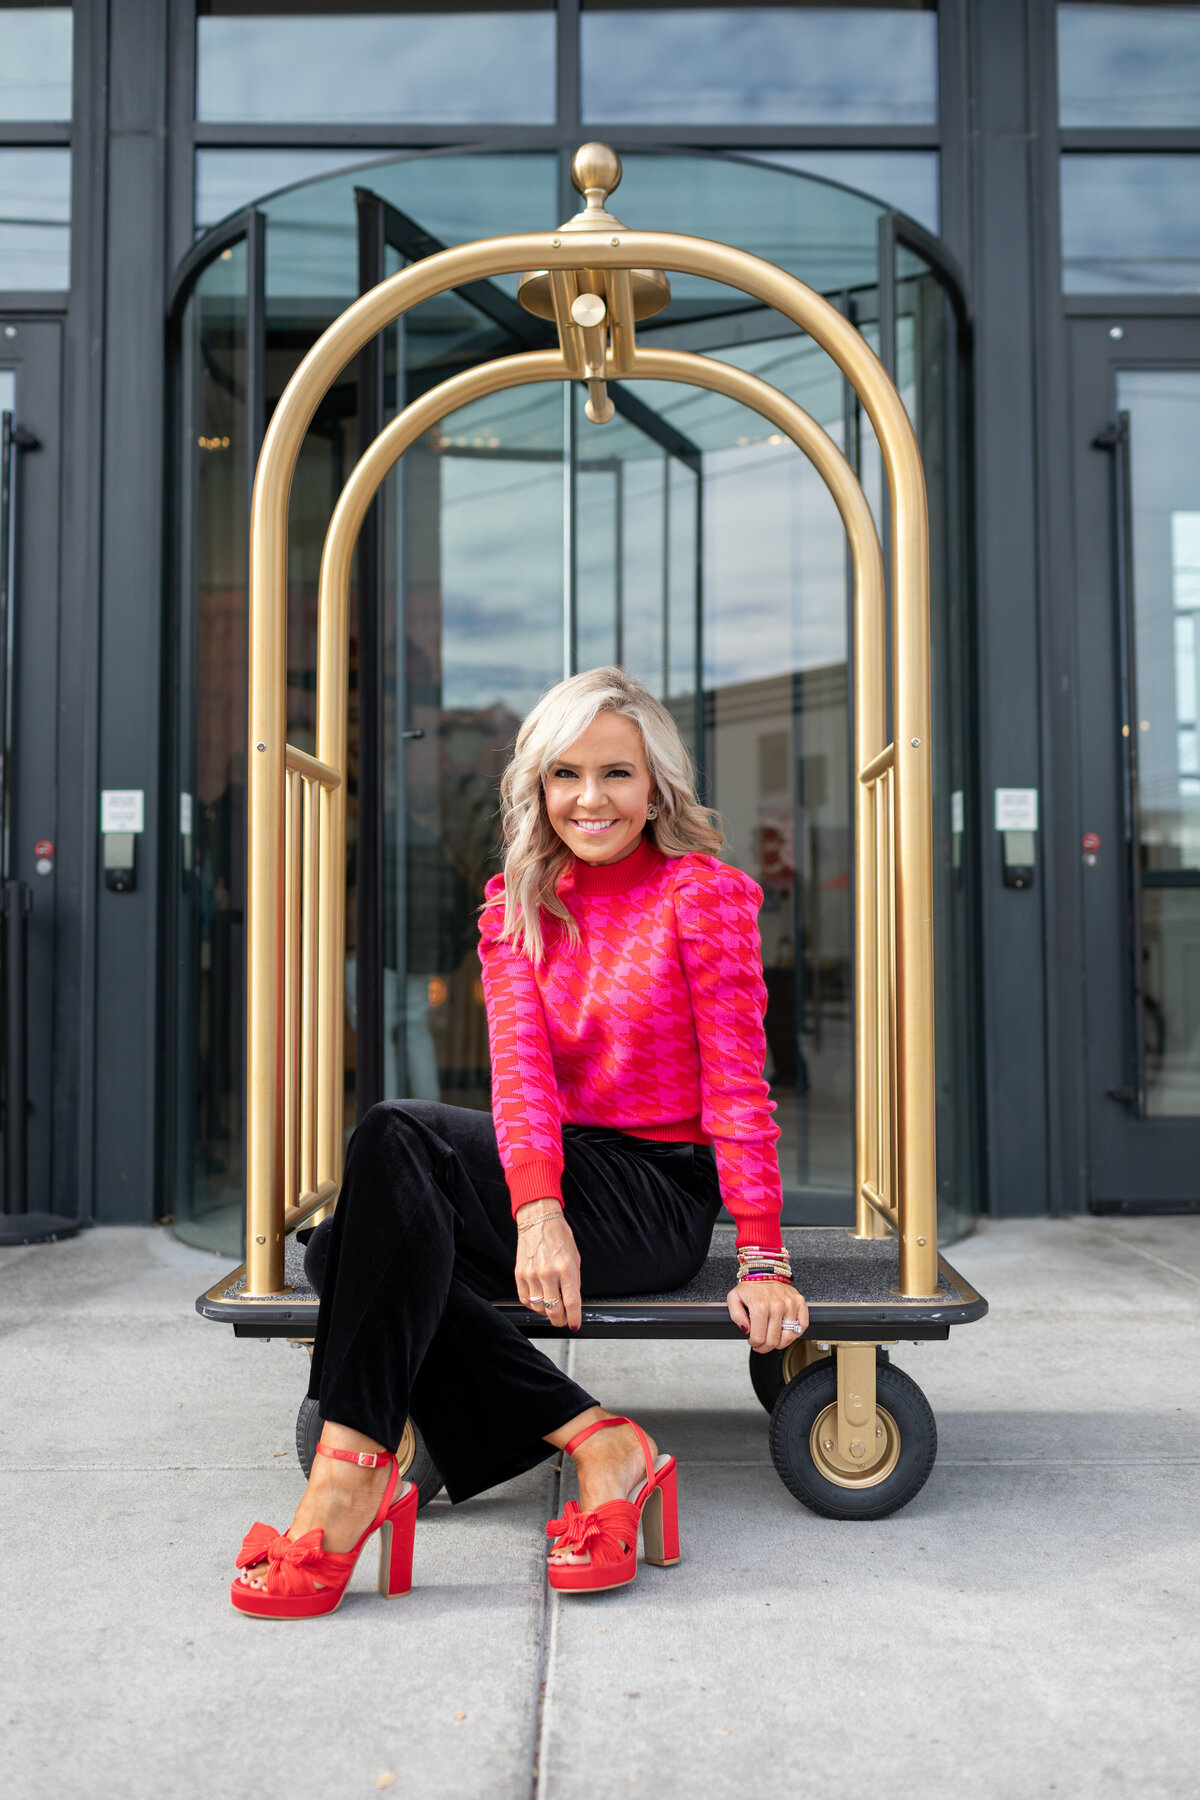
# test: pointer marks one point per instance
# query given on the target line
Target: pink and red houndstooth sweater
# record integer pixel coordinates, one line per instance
(652, 1023)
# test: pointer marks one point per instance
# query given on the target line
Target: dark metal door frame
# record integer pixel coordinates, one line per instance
(34, 352)
(1135, 1162)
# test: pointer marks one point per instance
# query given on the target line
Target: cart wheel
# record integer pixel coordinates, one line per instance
(416, 1464)
(770, 1374)
(804, 1445)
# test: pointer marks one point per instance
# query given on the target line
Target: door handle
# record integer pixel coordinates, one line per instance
(1115, 438)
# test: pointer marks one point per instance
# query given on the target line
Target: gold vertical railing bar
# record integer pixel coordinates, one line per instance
(892, 1020)
(880, 1033)
(564, 286)
(291, 980)
(868, 1000)
(331, 997)
(914, 1188)
(622, 332)
(310, 963)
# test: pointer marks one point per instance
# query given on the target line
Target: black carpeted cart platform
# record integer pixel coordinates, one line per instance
(823, 1415)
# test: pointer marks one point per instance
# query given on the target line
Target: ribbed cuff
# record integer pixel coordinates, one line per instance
(763, 1234)
(538, 1179)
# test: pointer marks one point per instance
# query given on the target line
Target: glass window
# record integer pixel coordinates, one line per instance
(1131, 224)
(1128, 65)
(905, 179)
(405, 64)
(228, 180)
(35, 219)
(764, 65)
(35, 62)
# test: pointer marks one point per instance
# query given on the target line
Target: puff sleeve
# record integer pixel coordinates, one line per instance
(717, 913)
(525, 1103)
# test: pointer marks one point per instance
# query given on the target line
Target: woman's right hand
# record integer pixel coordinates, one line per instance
(548, 1264)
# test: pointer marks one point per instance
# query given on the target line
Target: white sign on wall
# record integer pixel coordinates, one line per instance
(1016, 809)
(122, 809)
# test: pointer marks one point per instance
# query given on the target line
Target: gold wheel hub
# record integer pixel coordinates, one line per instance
(799, 1356)
(407, 1450)
(881, 1457)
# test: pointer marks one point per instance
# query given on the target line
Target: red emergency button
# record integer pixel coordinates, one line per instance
(1091, 841)
(43, 847)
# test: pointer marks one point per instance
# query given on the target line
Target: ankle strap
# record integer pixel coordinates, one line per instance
(602, 1425)
(366, 1459)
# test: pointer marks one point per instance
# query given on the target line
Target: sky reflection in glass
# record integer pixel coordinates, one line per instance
(355, 68)
(905, 179)
(501, 535)
(759, 65)
(35, 62)
(35, 219)
(1131, 224)
(1128, 65)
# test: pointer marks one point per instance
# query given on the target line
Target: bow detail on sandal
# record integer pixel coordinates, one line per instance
(604, 1539)
(294, 1565)
(606, 1532)
(304, 1580)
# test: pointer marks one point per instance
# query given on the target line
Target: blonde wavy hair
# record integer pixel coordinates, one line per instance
(534, 854)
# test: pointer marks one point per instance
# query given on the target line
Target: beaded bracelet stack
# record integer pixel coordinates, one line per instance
(763, 1265)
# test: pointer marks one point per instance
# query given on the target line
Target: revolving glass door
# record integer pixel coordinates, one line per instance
(516, 543)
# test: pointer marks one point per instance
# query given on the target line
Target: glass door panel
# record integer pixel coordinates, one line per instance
(211, 545)
(1162, 407)
(685, 540)
(778, 752)
(1136, 388)
(482, 624)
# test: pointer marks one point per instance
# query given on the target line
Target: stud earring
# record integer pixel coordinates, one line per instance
(652, 812)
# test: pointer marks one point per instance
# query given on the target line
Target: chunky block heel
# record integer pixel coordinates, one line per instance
(396, 1545)
(306, 1581)
(608, 1534)
(660, 1520)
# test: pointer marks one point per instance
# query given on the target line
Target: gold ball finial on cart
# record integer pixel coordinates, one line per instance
(595, 173)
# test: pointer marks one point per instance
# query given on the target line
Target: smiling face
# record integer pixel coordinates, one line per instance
(598, 790)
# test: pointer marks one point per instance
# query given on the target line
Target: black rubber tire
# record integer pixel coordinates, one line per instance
(801, 1405)
(421, 1469)
(766, 1375)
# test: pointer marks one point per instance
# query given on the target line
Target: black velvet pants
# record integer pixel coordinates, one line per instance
(423, 1240)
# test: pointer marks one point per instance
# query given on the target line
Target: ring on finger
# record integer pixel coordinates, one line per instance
(791, 1325)
(536, 1300)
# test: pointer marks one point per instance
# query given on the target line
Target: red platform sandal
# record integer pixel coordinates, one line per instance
(295, 1566)
(608, 1534)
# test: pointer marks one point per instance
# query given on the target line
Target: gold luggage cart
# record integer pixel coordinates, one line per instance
(851, 1435)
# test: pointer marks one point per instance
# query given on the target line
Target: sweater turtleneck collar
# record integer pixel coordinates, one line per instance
(617, 877)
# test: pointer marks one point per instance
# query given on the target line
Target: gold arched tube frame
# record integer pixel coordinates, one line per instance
(290, 1018)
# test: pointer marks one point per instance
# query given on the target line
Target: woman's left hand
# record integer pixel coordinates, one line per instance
(760, 1307)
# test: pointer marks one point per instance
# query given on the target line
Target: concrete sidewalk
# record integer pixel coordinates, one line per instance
(1028, 1626)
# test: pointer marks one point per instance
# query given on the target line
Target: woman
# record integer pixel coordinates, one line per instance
(625, 1000)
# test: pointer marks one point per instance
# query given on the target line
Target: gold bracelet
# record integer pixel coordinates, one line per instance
(540, 1220)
